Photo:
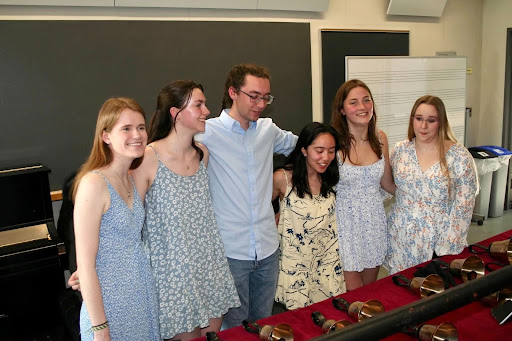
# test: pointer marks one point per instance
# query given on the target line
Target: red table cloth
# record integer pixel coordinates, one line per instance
(473, 321)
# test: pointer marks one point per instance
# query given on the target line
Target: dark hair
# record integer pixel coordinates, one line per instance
(175, 94)
(339, 121)
(236, 79)
(296, 162)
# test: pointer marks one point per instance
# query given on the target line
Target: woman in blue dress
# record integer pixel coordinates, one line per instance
(193, 280)
(364, 168)
(119, 293)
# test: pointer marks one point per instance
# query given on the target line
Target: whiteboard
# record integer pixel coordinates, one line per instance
(397, 82)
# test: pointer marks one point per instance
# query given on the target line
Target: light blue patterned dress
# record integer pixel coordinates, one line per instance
(361, 218)
(425, 218)
(193, 279)
(126, 280)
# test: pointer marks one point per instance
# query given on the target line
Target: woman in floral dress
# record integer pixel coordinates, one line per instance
(436, 188)
(309, 264)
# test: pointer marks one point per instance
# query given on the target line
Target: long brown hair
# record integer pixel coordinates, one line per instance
(175, 94)
(444, 133)
(339, 121)
(101, 155)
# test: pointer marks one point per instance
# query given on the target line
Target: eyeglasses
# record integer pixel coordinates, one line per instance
(429, 120)
(257, 98)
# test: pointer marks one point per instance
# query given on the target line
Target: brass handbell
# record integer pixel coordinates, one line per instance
(328, 325)
(279, 332)
(430, 332)
(359, 311)
(468, 268)
(501, 250)
(421, 286)
(498, 297)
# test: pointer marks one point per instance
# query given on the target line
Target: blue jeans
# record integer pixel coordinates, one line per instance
(256, 282)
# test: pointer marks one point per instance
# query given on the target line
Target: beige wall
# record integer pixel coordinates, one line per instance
(497, 17)
(459, 29)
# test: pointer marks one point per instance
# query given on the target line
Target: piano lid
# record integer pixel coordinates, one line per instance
(24, 235)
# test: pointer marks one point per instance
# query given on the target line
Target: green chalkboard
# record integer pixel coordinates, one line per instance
(55, 75)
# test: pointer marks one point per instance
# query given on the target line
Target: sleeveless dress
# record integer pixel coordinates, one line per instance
(126, 280)
(193, 279)
(429, 215)
(361, 218)
(309, 265)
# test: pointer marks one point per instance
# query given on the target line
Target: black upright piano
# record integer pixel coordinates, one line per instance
(31, 253)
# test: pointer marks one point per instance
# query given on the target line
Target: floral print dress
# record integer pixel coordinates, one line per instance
(427, 217)
(309, 265)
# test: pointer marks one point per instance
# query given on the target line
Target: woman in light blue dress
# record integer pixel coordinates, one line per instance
(364, 168)
(194, 284)
(120, 301)
(436, 189)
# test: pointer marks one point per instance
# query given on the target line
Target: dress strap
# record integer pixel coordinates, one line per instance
(102, 175)
(286, 177)
(152, 147)
(338, 155)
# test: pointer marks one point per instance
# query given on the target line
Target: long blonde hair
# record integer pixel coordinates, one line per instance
(101, 155)
(444, 133)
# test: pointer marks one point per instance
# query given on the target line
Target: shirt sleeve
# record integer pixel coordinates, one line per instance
(465, 184)
(285, 141)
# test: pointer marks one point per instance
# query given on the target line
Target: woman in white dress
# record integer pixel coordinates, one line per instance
(363, 162)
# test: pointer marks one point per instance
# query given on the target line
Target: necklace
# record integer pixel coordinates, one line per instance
(183, 154)
(425, 149)
(127, 189)
(368, 138)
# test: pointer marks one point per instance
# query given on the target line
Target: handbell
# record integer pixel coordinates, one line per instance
(498, 297)
(469, 268)
(279, 332)
(443, 331)
(359, 310)
(501, 250)
(421, 286)
(328, 325)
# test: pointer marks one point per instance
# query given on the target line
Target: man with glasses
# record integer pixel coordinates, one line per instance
(241, 146)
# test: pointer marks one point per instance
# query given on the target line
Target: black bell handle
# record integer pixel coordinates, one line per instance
(442, 263)
(401, 280)
(251, 327)
(490, 268)
(413, 331)
(340, 304)
(318, 318)
(212, 336)
(472, 248)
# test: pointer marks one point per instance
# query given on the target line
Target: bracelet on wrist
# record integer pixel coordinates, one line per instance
(100, 326)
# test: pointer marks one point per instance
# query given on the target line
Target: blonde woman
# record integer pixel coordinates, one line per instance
(436, 188)
(116, 281)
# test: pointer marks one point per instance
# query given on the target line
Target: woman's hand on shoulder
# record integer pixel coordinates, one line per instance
(206, 153)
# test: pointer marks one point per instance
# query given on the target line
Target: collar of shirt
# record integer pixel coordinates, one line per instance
(231, 124)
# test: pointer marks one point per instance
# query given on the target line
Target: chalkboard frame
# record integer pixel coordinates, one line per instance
(338, 43)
